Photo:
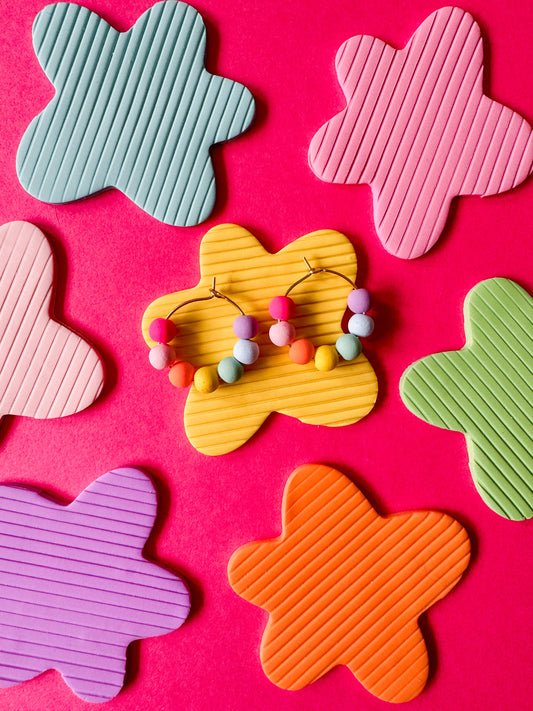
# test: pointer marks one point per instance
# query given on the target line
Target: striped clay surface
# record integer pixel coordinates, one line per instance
(134, 110)
(76, 589)
(220, 422)
(46, 370)
(345, 586)
(485, 391)
(419, 130)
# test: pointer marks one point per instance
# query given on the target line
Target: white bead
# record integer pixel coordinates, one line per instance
(361, 325)
(246, 352)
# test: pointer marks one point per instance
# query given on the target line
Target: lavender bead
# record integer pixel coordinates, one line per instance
(245, 327)
(359, 301)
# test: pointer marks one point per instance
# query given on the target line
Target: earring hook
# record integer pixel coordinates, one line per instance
(214, 294)
(317, 270)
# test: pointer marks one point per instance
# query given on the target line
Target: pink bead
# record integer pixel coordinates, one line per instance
(282, 308)
(162, 356)
(282, 333)
(359, 301)
(162, 330)
(245, 327)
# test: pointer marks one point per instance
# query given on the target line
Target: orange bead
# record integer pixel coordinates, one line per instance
(181, 374)
(301, 351)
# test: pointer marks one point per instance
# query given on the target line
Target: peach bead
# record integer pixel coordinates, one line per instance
(301, 351)
(181, 374)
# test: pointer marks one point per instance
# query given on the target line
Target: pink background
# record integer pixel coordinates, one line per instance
(113, 259)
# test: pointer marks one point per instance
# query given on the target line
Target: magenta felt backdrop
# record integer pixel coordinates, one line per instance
(114, 259)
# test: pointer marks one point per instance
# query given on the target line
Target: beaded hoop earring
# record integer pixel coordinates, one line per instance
(206, 379)
(326, 357)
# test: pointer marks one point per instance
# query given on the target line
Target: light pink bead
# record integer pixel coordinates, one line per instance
(162, 356)
(282, 333)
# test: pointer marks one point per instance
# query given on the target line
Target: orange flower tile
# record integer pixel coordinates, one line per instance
(344, 585)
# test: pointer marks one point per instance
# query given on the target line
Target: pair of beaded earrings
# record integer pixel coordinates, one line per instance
(246, 351)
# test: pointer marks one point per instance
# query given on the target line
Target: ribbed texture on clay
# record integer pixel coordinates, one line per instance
(346, 586)
(46, 370)
(419, 130)
(75, 588)
(486, 391)
(134, 110)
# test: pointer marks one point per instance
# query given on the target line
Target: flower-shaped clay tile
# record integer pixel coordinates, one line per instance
(223, 420)
(76, 589)
(47, 370)
(485, 391)
(134, 110)
(419, 130)
(345, 586)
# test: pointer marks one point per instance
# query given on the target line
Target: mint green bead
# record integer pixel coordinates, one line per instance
(230, 370)
(348, 346)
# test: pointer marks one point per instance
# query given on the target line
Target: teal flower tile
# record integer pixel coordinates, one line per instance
(133, 110)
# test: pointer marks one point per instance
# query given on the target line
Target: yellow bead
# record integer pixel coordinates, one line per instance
(326, 358)
(206, 379)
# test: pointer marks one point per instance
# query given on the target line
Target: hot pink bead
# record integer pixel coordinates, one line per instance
(162, 330)
(282, 333)
(282, 308)
(162, 356)
(245, 327)
(359, 301)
